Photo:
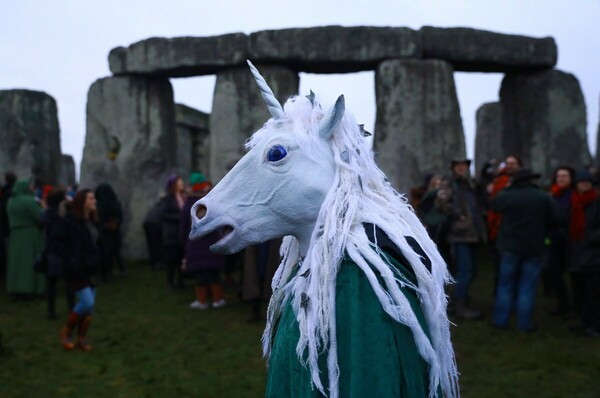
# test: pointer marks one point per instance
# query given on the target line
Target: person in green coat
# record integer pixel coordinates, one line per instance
(26, 241)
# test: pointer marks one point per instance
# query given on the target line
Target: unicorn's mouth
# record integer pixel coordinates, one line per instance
(220, 246)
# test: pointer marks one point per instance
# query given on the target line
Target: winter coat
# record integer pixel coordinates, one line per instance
(528, 213)
(434, 217)
(197, 255)
(83, 258)
(154, 215)
(170, 217)
(585, 254)
(256, 283)
(110, 217)
(57, 241)
(25, 243)
(466, 220)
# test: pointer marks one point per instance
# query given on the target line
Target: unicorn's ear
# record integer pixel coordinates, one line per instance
(332, 118)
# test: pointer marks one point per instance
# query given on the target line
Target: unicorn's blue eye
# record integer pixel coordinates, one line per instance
(276, 153)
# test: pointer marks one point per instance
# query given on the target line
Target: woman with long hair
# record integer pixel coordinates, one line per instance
(171, 217)
(82, 264)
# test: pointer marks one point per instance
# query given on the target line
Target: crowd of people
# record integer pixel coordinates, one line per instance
(532, 233)
(52, 234)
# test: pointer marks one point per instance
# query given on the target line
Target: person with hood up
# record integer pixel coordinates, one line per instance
(25, 243)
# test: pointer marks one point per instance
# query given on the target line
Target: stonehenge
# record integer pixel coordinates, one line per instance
(136, 135)
(418, 130)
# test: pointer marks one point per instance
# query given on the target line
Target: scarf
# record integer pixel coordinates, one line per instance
(562, 196)
(579, 201)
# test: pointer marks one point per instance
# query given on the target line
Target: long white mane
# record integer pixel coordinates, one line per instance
(359, 195)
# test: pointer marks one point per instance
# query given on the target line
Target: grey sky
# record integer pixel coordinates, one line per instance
(61, 47)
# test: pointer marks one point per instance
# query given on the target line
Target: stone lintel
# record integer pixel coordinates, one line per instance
(472, 50)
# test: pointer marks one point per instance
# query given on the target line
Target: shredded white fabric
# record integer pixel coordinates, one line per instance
(360, 195)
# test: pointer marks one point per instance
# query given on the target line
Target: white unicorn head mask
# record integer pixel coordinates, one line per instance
(310, 175)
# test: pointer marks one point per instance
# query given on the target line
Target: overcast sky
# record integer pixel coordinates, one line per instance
(61, 47)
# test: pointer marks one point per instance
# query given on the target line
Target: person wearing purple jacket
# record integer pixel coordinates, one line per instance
(198, 260)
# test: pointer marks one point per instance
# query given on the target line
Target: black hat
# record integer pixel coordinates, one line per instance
(460, 160)
(524, 174)
(583, 175)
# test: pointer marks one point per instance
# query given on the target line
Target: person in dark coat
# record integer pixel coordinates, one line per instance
(584, 235)
(153, 232)
(5, 192)
(172, 204)
(260, 263)
(527, 215)
(199, 260)
(558, 255)
(434, 216)
(466, 230)
(57, 248)
(110, 216)
(83, 262)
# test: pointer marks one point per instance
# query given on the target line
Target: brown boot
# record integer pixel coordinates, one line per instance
(84, 325)
(67, 331)
(201, 302)
(218, 296)
(465, 312)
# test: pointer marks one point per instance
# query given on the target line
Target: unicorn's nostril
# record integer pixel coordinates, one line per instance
(200, 212)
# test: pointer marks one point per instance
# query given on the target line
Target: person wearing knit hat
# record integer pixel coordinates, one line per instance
(199, 182)
(198, 260)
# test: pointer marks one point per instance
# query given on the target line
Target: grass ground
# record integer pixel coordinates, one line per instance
(150, 344)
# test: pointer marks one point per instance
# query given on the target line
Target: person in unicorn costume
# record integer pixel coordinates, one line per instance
(358, 306)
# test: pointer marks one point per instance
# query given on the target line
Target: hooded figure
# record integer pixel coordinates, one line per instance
(26, 240)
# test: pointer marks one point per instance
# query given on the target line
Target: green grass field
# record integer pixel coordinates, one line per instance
(150, 344)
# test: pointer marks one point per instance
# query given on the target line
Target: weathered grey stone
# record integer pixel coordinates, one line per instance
(180, 56)
(193, 145)
(479, 50)
(544, 120)
(334, 49)
(29, 135)
(239, 110)
(130, 143)
(418, 129)
(488, 135)
(67, 171)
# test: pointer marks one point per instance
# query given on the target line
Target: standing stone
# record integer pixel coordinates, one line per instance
(131, 144)
(239, 110)
(418, 129)
(67, 171)
(544, 120)
(488, 135)
(193, 145)
(29, 136)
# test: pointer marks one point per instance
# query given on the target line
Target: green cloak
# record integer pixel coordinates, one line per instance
(25, 242)
(377, 356)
